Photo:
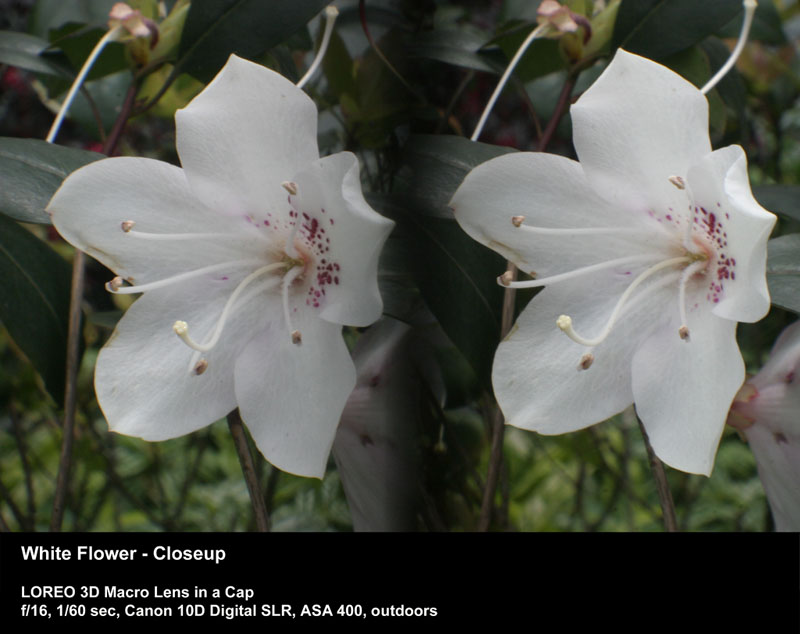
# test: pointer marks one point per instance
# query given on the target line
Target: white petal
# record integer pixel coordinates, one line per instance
(93, 202)
(143, 378)
(348, 235)
(248, 131)
(291, 396)
(551, 192)
(683, 389)
(739, 227)
(536, 377)
(636, 126)
(783, 362)
(778, 460)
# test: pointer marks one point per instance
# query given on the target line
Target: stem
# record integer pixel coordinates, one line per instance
(74, 340)
(498, 420)
(249, 471)
(662, 485)
(561, 107)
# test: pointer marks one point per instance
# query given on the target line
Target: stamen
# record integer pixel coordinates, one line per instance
(506, 278)
(564, 322)
(749, 10)
(172, 236)
(201, 367)
(330, 17)
(577, 272)
(690, 270)
(501, 84)
(87, 65)
(181, 328)
(574, 231)
(586, 360)
(678, 182)
(290, 277)
(290, 187)
(116, 287)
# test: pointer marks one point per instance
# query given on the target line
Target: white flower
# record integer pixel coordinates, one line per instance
(767, 411)
(652, 248)
(256, 252)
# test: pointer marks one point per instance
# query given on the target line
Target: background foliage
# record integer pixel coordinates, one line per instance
(402, 86)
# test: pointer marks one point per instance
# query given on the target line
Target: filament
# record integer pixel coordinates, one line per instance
(564, 322)
(600, 266)
(290, 277)
(181, 328)
(87, 65)
(330, 17)
(749, 10)
(685, 277)
(182, 277)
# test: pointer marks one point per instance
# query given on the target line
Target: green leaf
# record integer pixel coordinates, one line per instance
(24, 51)
(52, 14)
(779, 199)
(34, 302)
(783, 271)
(31, 172)
(542, 57)
(659, 28)
(453, 272)
(216, 28)
(77, 42)
(458, 47)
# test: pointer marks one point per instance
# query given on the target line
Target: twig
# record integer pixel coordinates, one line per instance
(26, 467)
(662, 486)
(74, 340)
(561, 107)
(248, 469)
(498, 420)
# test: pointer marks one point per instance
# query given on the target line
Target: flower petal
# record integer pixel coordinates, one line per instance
(536, 375)
(551, 192)
(247, 132)
(329, 191)
(636, 126)
(90, 206)
(783, 363)
(144, 381)
(778, 460)
(739, 227)
(292, 395)
(683, 389)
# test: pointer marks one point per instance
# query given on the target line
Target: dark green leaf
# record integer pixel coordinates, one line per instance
(24, 51)
(779, 199)
(457, 47)
(77, 43)
(783, 271)
(34, 301)
(52, 14)
(542, 57)
(453, 272)
(32, 171)
(216, 28)
(659, 28)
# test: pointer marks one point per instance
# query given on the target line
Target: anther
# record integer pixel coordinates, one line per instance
(201, 367)
(505, 279)
(115, 284)
(586, 360)
(683, 332)
(678, 182)
(517, 220)
(297, 338)
(127, 225)
(290, 187)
